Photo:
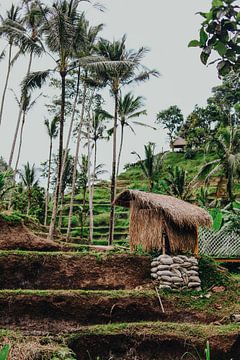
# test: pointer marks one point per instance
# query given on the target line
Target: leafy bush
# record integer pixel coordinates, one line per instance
(13, 218)
(211, 274)
(189, 154)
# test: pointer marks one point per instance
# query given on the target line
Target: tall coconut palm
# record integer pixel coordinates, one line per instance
(66, 181)
(12, 16)
(151, 165)
(74, 177)
(59, 31)
(26, 104)
(30, 43)
(125, 69)
(97, 126)
(84, 41)
(52, 131)
(29, 179)
(227, 147)
(129, 109)
(89, 37)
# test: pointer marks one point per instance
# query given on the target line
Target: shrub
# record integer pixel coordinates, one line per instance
(212, 274)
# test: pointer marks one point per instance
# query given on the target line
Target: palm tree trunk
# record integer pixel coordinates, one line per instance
(29, 202)
(6, 81)
(61, 211)
(113, 180)
(19, 118)
(120, 148)
(91, 195)
(70, 126)
(20, 144)
(90, 189)
(74, 178)
(48, 182)
(60, 154)
(83, 210)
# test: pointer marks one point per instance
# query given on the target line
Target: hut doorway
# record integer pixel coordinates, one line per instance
(166, 249)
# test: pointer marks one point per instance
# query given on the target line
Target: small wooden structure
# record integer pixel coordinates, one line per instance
(179, 143)
(161, 222)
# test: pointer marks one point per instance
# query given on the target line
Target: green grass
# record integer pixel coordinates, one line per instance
(67, 254)
(185, 331)
(86, 293)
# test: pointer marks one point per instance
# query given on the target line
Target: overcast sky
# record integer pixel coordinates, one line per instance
(165, 27)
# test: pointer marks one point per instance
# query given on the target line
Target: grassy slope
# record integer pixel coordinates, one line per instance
(132, 178)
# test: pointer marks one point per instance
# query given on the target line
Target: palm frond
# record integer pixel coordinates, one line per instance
(35, 80)
(144, 125)
(137, 114)
(144, 76)
(206, 168)
(99, 6)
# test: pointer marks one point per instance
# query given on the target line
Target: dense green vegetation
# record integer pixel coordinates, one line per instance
(75, 200)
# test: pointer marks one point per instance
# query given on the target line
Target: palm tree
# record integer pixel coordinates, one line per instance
(74, 177)
(29, 178)
(66, 181)
(178, 184)
(30, 42)
(129, 108)
(52, 130)
(59, 31)
(12, 16)
(26, 104)
(95, 134)
(152, 164)
(125, 65)
(82, 182)
(227, 146)
(98, 127)
(88, 36)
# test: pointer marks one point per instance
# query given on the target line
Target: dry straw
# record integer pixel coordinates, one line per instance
(152, 215)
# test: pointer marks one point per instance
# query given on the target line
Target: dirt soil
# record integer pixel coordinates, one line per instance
(152, 347)
(56, 313)
(18, 236)
(68, 271)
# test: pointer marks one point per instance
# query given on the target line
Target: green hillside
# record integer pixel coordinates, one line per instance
(131, 178)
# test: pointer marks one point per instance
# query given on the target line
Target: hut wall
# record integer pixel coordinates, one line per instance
(148, 225)
(145, 228)
(181, 239)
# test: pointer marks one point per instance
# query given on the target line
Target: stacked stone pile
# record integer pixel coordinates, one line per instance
(176, 272)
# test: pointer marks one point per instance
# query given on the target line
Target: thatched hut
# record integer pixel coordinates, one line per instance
(179, 143)
(161, 222)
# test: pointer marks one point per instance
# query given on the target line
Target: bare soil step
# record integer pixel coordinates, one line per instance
(57, 310)
(57, 270)
(156, 341)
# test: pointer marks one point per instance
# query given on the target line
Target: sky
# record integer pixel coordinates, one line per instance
(165, 27)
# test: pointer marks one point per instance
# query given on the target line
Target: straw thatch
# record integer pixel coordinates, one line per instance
(179, 142)
(153, 215)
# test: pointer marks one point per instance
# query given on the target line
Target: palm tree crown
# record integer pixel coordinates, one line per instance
(227, 146)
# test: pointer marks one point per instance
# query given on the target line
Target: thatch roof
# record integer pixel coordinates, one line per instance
(179, 212)
(179, 141)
